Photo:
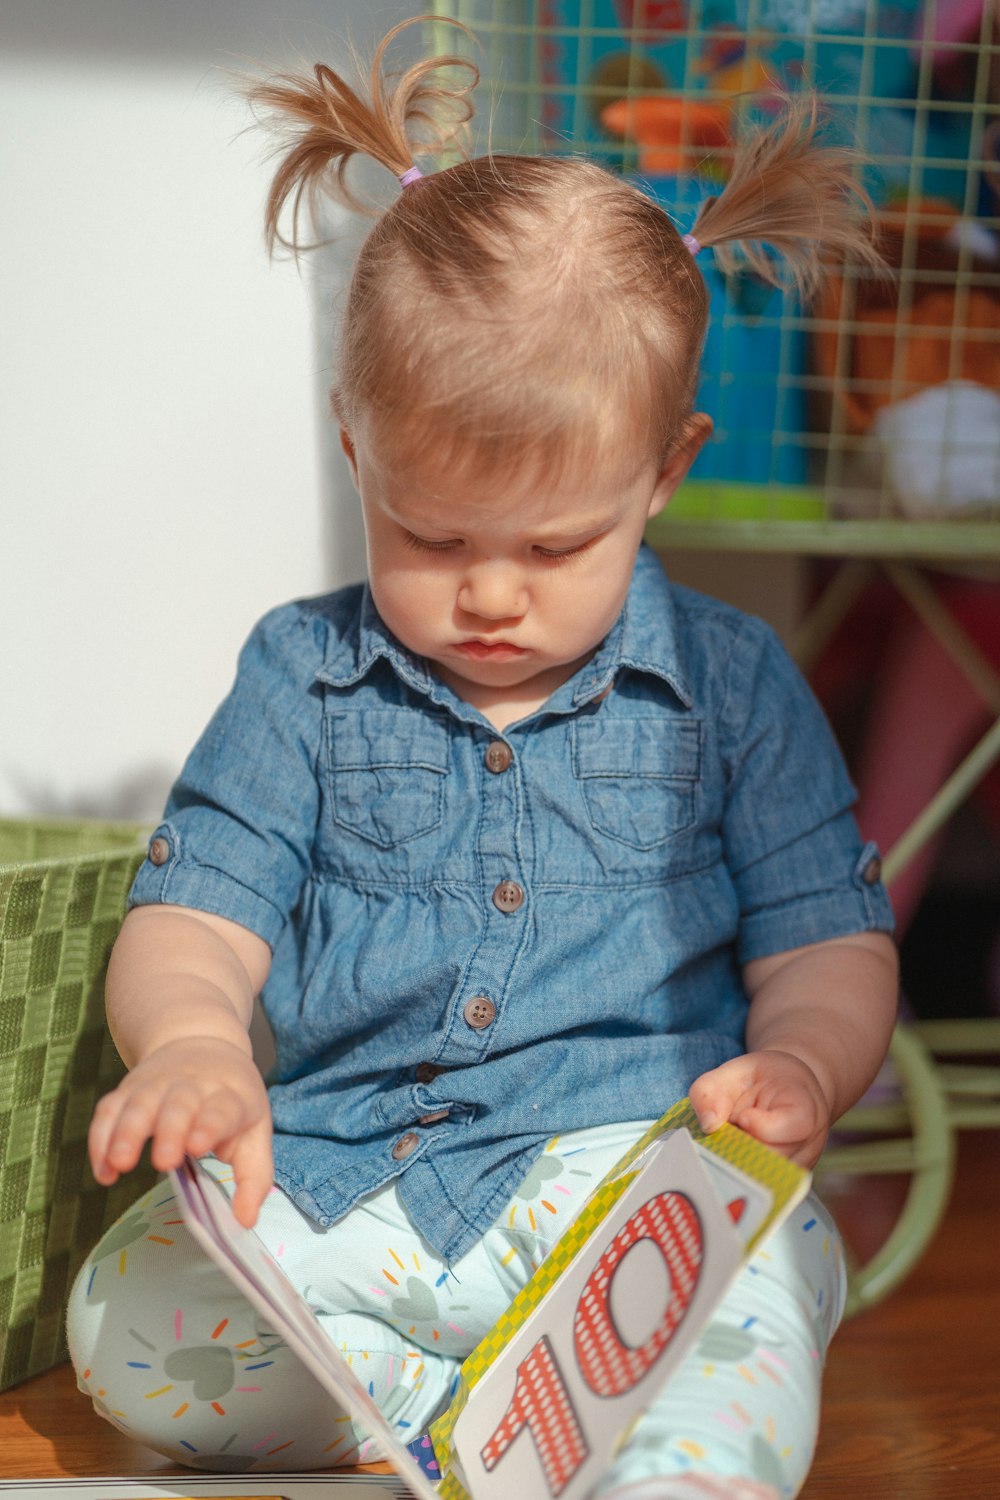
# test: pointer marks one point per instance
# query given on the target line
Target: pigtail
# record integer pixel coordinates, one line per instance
(797, 195)
(323, 122)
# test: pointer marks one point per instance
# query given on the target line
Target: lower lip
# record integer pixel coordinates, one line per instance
(482, 651)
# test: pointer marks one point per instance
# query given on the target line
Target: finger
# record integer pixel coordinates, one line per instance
(217, 1121)
(254, 1167)
(716, 1095)
(799, 1152)
(130, 1130)
(102, 1127)
(787, 1124)
(788, 1134)
(178, 1110)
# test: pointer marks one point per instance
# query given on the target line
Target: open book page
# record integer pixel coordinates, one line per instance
(210, 1218)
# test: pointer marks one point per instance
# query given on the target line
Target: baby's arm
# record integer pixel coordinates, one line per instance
(818, 1028)
(180, 993)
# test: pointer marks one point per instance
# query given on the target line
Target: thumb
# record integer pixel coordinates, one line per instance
(714, 1095)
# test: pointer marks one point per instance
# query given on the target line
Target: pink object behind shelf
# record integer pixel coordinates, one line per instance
(926, 717)
(949, 22)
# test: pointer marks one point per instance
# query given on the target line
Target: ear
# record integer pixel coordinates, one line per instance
(698, 430)
(347, 443)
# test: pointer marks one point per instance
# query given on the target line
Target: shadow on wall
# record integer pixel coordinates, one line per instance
(134, 797)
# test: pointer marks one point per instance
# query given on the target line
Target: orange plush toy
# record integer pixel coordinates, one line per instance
(916, 360)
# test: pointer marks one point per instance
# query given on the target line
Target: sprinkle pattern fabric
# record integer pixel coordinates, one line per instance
(170, 1353)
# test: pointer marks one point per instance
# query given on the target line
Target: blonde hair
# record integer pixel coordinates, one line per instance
(510, 310)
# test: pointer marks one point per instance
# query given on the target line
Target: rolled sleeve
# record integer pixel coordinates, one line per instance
(796, 859)
(239, 827)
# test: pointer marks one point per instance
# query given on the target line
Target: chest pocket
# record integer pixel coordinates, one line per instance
(387, 772)
(639, 777)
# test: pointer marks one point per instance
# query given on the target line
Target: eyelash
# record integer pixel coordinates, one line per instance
(563, 554)
(420, 545)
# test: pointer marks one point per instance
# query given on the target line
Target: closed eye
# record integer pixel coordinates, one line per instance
(563, 554)
(422, 544)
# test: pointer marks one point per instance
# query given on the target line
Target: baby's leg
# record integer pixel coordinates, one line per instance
(740, 1417)
(173, 1355)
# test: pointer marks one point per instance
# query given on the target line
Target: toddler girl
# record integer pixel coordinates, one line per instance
(520, 842)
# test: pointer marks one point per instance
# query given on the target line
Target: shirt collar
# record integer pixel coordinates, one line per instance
(644, 637)
(366, 641)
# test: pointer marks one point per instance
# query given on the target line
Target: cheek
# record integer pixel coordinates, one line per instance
(601, 594)
(408, 596)
(385, 583)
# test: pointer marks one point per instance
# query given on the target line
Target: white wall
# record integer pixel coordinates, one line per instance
(166, 468)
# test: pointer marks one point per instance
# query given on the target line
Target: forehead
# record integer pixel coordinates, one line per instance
(516, 494)
(436, 460)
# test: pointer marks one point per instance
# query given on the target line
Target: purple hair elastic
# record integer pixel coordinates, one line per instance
(693, 245)
(413, 174)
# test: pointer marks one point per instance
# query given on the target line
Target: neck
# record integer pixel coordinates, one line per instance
(505, 705)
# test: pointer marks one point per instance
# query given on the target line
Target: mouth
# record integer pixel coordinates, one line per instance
(490, 650)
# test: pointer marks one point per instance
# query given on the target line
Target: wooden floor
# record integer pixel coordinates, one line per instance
(912, 1407)
(912, 1398)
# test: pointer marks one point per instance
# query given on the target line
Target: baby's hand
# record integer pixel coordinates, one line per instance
(774, 1096)
(189, 1097)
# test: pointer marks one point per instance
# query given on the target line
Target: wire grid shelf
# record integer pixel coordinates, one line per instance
(868, 422)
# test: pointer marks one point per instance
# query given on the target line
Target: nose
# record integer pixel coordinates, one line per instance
(493, 589)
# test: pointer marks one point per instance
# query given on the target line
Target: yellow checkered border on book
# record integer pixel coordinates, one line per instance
(781, 1177)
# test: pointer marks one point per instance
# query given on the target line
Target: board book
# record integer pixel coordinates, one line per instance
(545, 1399)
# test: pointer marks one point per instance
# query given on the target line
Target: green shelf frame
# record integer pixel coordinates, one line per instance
(709, 517)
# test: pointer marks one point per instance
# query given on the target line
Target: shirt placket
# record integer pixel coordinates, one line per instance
(477, 1013)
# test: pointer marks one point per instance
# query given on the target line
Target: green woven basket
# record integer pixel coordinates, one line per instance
(62, 898)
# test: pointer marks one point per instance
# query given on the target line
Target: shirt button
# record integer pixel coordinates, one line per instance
(159, 852)
(433, 1117)
(498, 757)
(427, 1072)
(508, 896)
(406, 1143)
(872, 871)
(479, 1012)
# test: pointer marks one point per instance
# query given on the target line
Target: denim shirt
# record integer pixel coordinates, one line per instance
(482, 939)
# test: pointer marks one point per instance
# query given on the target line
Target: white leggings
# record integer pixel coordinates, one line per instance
(173, 1355)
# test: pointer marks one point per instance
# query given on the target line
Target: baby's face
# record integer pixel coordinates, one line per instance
(505, 586)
